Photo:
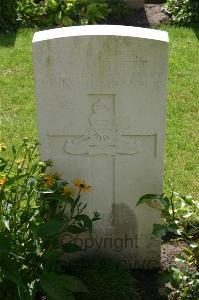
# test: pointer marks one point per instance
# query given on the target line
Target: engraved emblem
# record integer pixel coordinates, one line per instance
(103, 135)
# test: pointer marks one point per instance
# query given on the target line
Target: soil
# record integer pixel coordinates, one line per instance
(169, 251)
(151, 15)
(156, 15)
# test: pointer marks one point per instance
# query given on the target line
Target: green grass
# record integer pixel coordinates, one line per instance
(181, 159)
(18, 114)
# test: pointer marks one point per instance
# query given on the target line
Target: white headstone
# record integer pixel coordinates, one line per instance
(101, 94)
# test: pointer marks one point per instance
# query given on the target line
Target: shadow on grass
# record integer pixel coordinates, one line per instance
(196, 31)
(195, 12)
(8, 22)
(7, 39)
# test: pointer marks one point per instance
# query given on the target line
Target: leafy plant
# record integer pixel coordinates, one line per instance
(81, 12)
(49, 13)
(179, 213)
(30, 13)
(180, 220)
(62, 12)
(184, 281)
(183, 12)
(37, 210)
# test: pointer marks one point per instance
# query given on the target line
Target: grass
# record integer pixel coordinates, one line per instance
(19, 110)
(181, 158)
(18, 114)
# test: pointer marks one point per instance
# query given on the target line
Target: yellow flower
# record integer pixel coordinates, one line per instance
(3, 147)
(82, 185)
(49, 180)
(67, 191)
(2, 182)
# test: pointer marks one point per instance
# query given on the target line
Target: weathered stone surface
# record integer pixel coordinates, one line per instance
(101, 108)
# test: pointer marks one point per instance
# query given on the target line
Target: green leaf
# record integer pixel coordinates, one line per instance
(60, 286)
(50, 228)
(70, 248)
(186, 199)
(24, 294)
(58, 18)
(96, 216)
(6, 224)
(75, 229)
(66, 21)
(177, 275)
(194, 245)
(53, 254)
(74, 284)
(165, 201)
(180, 259)
(54, 287)
(166, 276)
(12, 179)
(173, 228)
(14, 151)
(5, 244)
(87, 222)
(159, 230)
(52, 4)
(2, 164)
(11, 271)
(148, 197)
(25, 217)
(187, 214)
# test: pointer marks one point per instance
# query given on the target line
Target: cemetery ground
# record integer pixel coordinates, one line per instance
(19, 120)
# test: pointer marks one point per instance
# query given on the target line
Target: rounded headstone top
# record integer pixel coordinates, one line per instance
(101, 30)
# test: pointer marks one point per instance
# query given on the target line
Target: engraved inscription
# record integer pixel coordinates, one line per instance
(132, 71)
(103, 135)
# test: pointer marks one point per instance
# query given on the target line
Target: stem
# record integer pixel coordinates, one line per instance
(15, 156)
(29, 158)
(172, 205)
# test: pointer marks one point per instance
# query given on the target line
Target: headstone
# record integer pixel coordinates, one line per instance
(101, 93)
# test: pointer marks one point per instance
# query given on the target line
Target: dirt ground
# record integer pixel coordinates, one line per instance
(150, 16)
(155, 14)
